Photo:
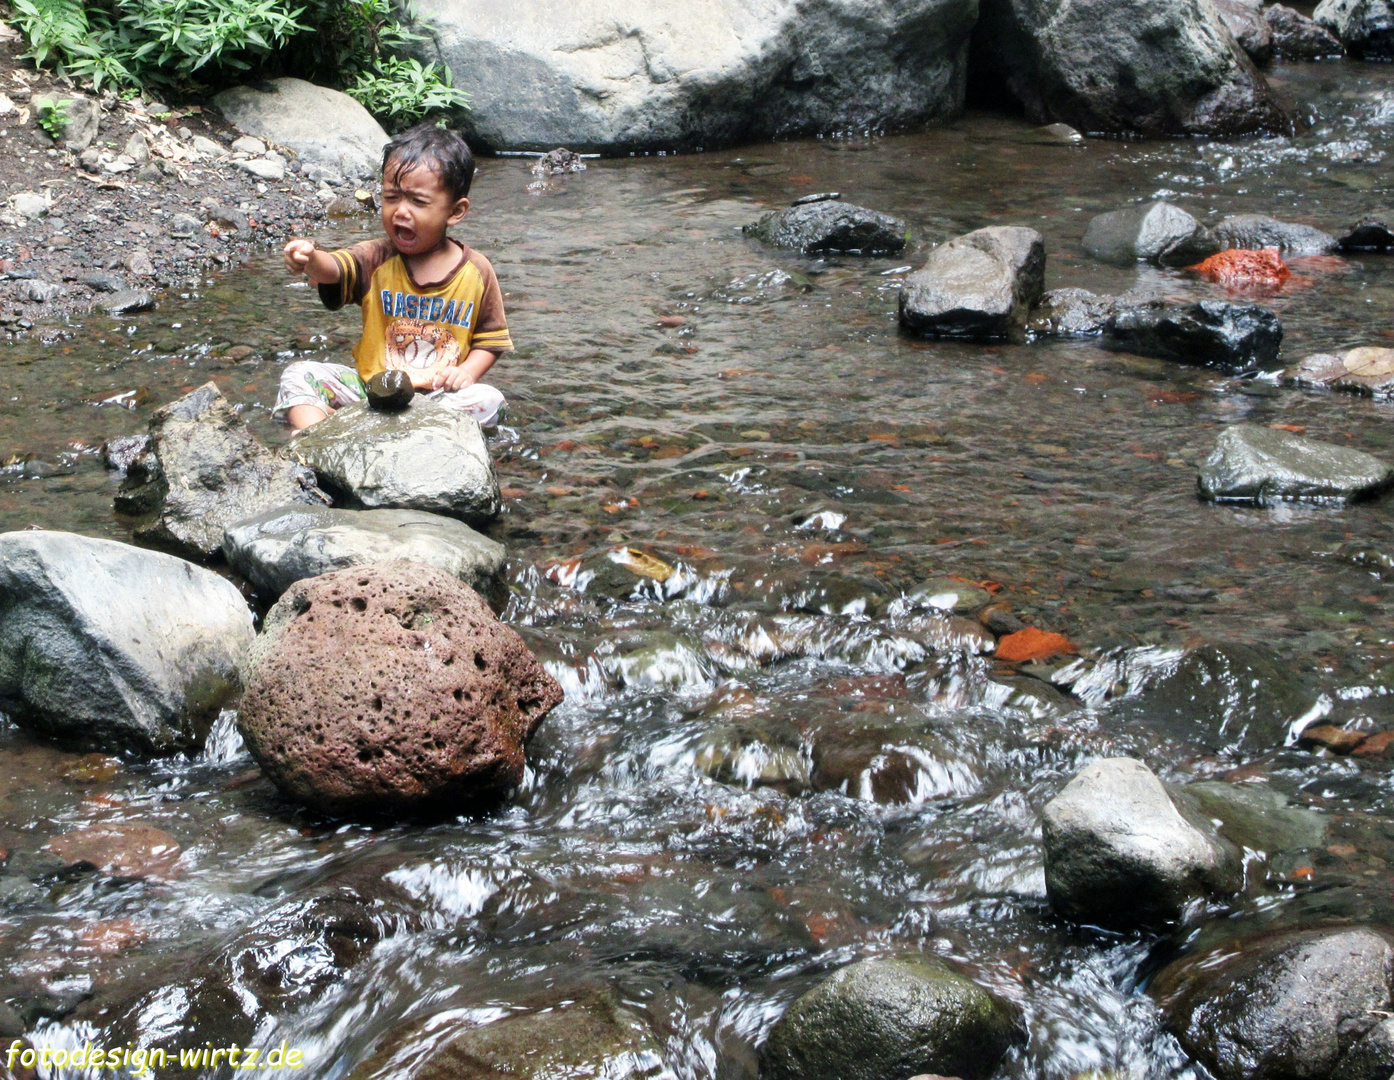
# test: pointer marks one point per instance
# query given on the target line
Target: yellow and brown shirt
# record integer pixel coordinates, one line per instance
(417, 328)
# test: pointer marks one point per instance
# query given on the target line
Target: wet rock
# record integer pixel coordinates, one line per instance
(747, 756)
(1070, 313)
(207, 472)
(977, 287)
(893, 765)
(391, 689)
(121, 452)
(828, 226)
(1372, 1056)
(1296, 37)
(1367, 370)
(1254, 232)
(591, 1037)
(109, 646)
(1365, 27)
(1120, 853)
(84, 115)
(1232, 337)
(1146, 232)
(127, 849)
(1030, 643)
(1257, 817)
(390, 391)
(1338, 740)
(1263, 466)
(1370, 233)
(289, 543)
(324, 127)
(1059, 135)
(949, 594)
(884, 1017)
(558, 162)
(427, 457)
(1286, 1004)
(834, 594)
(125, 301)
(1246, 22)
(1242, 270)
(740, 74)
(1088, 64)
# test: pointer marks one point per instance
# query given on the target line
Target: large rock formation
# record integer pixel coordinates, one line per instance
(1264, 465)
(977, 287)
(203, 470)
(1296, 1005)
(890, 1017)
(426, 457)
(324, 127)
(1296, 37)
(282, 546)
(109, 646)
(1120, 852)
(1154, 67)
(391, 689)
(1365, 27)
(626, 74)
(1150, 232)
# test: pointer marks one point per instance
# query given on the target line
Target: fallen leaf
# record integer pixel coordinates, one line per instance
(1341, 851)
(1336, 739)
(641, 563)
(1035, 377)
(1376, 745)
(1302, 873)
(1032, 644)
(900, 487)
(671, 320)
(1296, 429)
(814, 553)
(512, 492)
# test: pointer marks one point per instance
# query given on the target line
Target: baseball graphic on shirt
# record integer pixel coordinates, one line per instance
(420, 349)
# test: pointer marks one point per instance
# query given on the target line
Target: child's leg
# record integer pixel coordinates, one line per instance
(480, 400)
(311, 390)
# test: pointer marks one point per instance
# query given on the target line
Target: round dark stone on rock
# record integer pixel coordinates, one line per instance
(390, 391)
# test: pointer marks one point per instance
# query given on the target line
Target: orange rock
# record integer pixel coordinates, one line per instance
(1336, 739)
(1032, 644)
(1238, 269)
(1376, 745)
(124, 849)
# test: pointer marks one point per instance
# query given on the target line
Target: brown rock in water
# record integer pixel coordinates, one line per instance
(391, 689)
(1336, 739)
(390, 391)
(124, 849)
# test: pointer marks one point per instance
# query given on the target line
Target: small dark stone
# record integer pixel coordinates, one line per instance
(390, 391)
(100, 281)
(1370, 233)
(1232, 337)
(558, 162)
(830, 225)
(1067, 313)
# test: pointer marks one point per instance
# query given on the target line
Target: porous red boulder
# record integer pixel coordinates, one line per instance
(1241, 269)
(391, 689)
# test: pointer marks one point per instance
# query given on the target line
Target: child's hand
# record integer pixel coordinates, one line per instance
(297, 254)
(452, 378)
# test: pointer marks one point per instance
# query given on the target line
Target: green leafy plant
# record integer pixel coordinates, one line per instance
(404, 91)
(53, 115)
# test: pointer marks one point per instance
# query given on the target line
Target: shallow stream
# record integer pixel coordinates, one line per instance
(775, 762)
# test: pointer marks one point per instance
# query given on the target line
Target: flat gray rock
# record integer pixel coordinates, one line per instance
(282, 546)
(976, 287)
(324, 127)
(831, 226)
(204, 471)
(1145, 233)
(1264, 466)
(619, 75)
(1089, 63)
(108, 646)
(1367, 370)
(1070, 313)
(1254, 232)
(1257, 817)
(1119, 852)
(888, 1017)
(426, 457)
(1365, 27)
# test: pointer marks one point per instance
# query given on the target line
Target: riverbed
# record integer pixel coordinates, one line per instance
(775, 762)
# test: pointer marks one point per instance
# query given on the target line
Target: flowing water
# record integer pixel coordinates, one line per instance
(775, 761)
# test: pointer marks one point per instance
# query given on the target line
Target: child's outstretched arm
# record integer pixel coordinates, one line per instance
(468, 372)
(303, 257)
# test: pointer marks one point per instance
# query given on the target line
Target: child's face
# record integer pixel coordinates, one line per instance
(417, 209)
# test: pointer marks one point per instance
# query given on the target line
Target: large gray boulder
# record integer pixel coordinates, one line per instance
(1121, 853)
(827, 226)
(631, 74)
(1263, 466)
(1232, 337)
(890, 1017)
(324, 127)
(108, 646)
(282, 546)
(203, 470)
(1296, 37)
(1154, 67)
(1365, 27)
(426, 457)
(1149, 232)
(1289, 1005)
(977, 287)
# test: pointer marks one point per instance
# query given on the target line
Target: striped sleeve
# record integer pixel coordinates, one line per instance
(356, 266)
(491, 327)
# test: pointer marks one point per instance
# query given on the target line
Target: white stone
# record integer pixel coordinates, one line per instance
(246, 144)
(263, 169)
(29, 204)
(204, 145)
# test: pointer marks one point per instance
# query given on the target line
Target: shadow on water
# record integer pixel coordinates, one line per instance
(773, 764)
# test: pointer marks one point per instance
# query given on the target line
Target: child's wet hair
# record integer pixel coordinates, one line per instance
(439, 149)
